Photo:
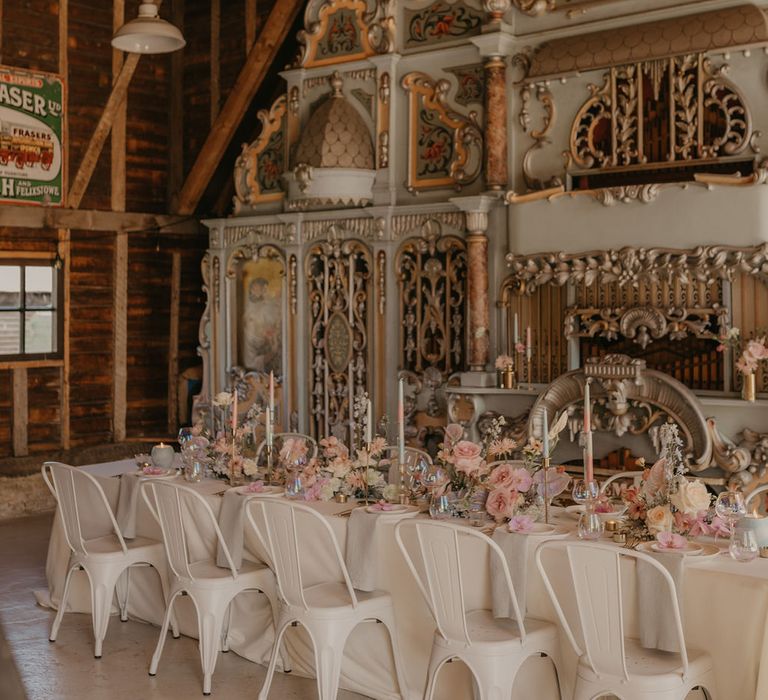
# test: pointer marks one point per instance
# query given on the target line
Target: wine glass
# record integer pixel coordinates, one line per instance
(584, 491)
(743, 546)
(730, 507)
(591, 526)
(294, 473)
(185, 435)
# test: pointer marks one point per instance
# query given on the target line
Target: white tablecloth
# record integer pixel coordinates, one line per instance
(726, 607)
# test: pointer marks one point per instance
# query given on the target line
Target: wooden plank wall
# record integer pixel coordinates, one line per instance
(29, 38)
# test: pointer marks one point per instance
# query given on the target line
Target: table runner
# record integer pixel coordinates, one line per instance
(656, 621)
(514, 545)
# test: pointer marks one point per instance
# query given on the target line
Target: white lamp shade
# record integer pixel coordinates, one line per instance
(148, 33)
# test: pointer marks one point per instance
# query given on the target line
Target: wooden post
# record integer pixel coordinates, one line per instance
(173, 346)
(248, 82)
(251, 16)
(64, 250)
(117, 190)
(120, 337)
(215, 59)
(176, 113)
(20, 412)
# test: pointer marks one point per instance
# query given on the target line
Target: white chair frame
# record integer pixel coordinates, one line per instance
(328, 627)
(106, 571)
(596, 578)
(212, 597)
(494, 665)
(621, 475)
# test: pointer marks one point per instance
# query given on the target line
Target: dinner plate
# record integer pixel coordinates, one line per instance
(165, 474)
(266, 492)
(542, 530)
(693, 549)
(395, 509)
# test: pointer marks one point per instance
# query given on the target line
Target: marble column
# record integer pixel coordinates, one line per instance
(495, 123)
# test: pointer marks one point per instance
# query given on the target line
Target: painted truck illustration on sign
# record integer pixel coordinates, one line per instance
(25, 146)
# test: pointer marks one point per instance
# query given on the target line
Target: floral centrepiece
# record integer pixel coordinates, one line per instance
(666, 503)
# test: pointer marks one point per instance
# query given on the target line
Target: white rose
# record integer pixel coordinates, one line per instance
(691, 498)
(222, 399)
(326, 492)
(250, 466)
(391, 492)
(659, 519)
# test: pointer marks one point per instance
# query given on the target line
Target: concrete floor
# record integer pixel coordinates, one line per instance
(67, 670)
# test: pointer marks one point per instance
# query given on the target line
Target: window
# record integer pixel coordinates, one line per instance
(30, 314)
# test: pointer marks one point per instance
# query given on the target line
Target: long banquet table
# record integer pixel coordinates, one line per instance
(725, 607)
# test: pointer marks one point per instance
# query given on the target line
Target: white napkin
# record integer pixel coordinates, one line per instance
(515, 548)
(656, 621)
(127, 504)
(231, 524)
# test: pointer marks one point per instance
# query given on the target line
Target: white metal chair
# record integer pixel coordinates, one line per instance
(105, 558)
(211, 588)
(329, 611)
(609, 662)
(494, 649)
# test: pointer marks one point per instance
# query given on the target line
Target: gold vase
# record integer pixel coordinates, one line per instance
(749, 387)
(506, 378)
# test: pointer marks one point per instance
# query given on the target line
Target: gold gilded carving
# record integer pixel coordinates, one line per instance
(250, 250)
(260, 164)
(432, 276)
(444, 146)
(381, 260)
(609, 127)
(644, 324)
(706, 264)
(338, 342)
(293, 284)
(540, 136)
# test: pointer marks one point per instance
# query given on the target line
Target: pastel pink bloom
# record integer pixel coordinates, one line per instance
(293, 449)
(746, 363)
(255, 487)
(757, 349)
(520, 347)
(354, 480)
(520, 523)
(700, 526)
(467, 457)
(453, 432)
(197, 429)
(654, 478)
(501, 503)
(557, 481)
(671, 540)
(313, 492)
(382, 506)
(377, 445)
(501, 475)
(719, 527)
(502, 447)
(604, 507)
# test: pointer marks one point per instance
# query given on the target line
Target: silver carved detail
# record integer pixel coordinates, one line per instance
(540, 136)
(644, 324)
(381, 261)
(628, 265)
(294, 283)
(384, 149)
(403, 224)
(303, 174)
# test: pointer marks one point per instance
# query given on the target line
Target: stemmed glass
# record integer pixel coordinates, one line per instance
(743, 546)
(730, 507)
(585, 491)
(294, 469)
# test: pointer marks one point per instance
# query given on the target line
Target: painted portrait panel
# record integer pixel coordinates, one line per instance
(260, 327)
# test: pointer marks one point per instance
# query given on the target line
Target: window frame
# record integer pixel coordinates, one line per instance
(57, 308)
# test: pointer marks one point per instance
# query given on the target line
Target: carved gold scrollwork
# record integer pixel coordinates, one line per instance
(608, 129)
(249, 250)
(644, 324)
(706, 264)
(339, 278)
(444, 146)
(260, 165)
(432, 273)
(540, 136)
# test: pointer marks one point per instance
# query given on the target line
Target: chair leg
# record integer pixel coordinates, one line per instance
(436, 660)
(163, 634)
(210, 622)
(494, 675)
(62, 604)
(161, 566)
(225, 634)
(280, 628)
(123, 586)
(275, 605)
(329, 640)
(103, 581)
(388, 619)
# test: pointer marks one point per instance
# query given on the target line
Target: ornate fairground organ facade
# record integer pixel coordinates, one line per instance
(437, 169)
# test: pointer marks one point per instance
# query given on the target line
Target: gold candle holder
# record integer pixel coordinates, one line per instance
(530, 373)
(611, 525)
(619, 538)
(404, 499)
(269, 464)
(764, 552)
(340, 498)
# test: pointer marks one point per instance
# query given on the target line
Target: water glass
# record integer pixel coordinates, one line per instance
(441, 507)
(194, 468)
(294, 486)
(743, 546)
(591, 526)
(584, 491)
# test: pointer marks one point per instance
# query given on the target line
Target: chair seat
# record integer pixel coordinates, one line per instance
(206, 571)
(108, 546)
(485, 630)
(332, 599)
(652, 668)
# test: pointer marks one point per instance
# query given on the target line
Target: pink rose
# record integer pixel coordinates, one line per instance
(520, 523)
(453, 432)
(467, 457)
(501, 503)
(757, 349)
(501, 476)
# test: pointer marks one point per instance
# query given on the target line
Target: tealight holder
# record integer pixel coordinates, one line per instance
(764, 552)
(619, 537)
(340, 498)
(611, 525)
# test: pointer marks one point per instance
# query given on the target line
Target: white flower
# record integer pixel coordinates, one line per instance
(339, 467)
(335, 484)
(374, 477)
(691, 498)
(659, 519)
(391, 492)
(250, 466)
(222, 399)
(326, 492)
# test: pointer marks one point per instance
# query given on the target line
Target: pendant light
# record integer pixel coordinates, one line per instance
(148, 33)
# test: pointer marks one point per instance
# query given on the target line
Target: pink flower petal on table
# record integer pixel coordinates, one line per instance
(671, 540)
(520, 523)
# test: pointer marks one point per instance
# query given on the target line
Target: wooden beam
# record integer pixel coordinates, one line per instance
(20, 216)
(120, 336)
(215, 59)
(257, 64)
(117, 174)
(251, 17)
(176, 113)
(64, 250)
(20, 412)
(173, 346)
